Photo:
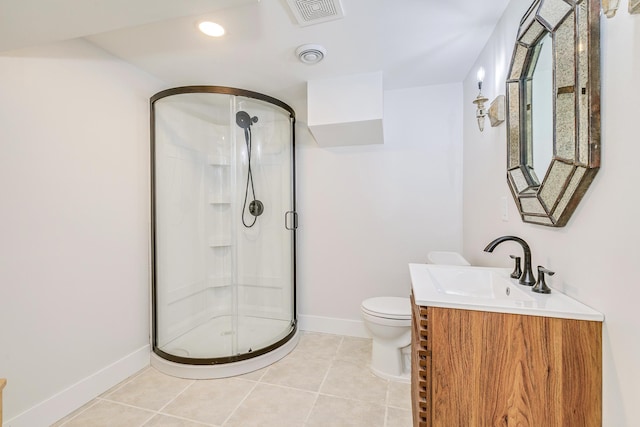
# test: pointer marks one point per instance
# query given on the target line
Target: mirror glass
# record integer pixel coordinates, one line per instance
(553, 109)
(542, 108)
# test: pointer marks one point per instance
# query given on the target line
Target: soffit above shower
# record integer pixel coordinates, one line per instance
(309, 12)
(346, 110)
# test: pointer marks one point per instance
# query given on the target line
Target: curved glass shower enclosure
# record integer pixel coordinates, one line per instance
(223, 238)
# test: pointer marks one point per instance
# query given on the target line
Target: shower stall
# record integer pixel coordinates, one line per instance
(223, 231)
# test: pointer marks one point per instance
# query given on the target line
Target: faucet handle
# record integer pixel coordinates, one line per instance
(541, 286)
(517, 271)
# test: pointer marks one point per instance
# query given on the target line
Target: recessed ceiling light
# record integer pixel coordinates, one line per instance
(211, 28)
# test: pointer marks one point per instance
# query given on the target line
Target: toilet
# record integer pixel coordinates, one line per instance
(388, 320)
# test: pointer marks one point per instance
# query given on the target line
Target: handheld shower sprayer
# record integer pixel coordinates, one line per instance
(256, 207)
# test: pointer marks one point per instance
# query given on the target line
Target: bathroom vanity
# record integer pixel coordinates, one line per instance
(485, 354)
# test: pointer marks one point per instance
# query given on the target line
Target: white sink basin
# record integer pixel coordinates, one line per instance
(490, 289)
(476, 283)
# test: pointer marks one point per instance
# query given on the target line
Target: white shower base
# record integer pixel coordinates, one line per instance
(217, 338)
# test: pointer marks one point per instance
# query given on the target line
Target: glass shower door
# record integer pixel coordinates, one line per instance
(264, 246)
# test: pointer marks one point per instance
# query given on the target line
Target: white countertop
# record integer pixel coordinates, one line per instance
(453, 287)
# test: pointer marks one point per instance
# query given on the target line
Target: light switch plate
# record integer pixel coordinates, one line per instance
(504, 208)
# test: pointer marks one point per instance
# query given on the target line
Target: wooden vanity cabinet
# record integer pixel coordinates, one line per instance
(475, 368)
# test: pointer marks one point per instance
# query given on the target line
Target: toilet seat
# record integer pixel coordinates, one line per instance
(388, 307)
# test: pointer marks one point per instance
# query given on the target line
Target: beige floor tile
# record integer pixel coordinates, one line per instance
(210, 401)
(109, 414)
(318, 345)
(269, 405)
(167, 421)
(398, 418)
(399, 395)
(283, 394)
(337, 412)
(151, 390)
(304, 372)
(254, 375)
(357, 350)
(354, 381)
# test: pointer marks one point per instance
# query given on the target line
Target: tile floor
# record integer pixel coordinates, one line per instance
(324, 382)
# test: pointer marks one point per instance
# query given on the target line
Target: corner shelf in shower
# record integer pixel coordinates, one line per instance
(219, 201)
(218, 161)
(187, 291)
(220, 242)
(218, 282)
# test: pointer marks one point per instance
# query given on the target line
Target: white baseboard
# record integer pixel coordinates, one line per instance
(332, 325)
(58, 406)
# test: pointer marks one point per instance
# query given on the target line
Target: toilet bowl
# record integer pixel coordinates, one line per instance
(388, 319)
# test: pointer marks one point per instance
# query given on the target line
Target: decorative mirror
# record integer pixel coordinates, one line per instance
(553, 104)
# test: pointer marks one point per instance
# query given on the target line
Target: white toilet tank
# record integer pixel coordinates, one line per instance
(446, 258)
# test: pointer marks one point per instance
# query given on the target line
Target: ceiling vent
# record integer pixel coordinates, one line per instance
(309, 12)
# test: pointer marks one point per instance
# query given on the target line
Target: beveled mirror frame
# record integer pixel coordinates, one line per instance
(575, 30)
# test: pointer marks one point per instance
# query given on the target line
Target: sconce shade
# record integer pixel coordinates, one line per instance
(610, 7)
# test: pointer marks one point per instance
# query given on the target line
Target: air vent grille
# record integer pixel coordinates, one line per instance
(309, 12)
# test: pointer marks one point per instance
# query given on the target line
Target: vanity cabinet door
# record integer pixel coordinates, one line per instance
(498, 369)
(420, 367)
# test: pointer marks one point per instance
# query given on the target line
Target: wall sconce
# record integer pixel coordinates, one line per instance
(480, 100)
(609, 7)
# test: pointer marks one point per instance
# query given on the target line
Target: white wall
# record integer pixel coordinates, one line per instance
(74, 290)
(367, 211)
(596, 255)
(74, 219)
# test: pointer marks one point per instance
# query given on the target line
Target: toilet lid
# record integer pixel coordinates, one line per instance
(388, 307)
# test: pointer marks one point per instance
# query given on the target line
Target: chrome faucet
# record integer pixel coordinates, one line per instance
(527, 277)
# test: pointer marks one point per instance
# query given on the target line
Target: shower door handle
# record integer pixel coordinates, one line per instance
(294, 220)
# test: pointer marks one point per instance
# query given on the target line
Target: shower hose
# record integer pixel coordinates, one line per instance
(247, 139)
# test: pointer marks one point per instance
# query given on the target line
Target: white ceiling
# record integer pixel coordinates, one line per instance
(413, 42)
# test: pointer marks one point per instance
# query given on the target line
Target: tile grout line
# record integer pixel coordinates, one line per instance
(154, 412)
(326, 374)
(191, 420)
(89, 404)
(151, 412)
(241, 402)
(152, 416)
(159, 411)
(128, 405)
(386, 404)
(176, 396)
